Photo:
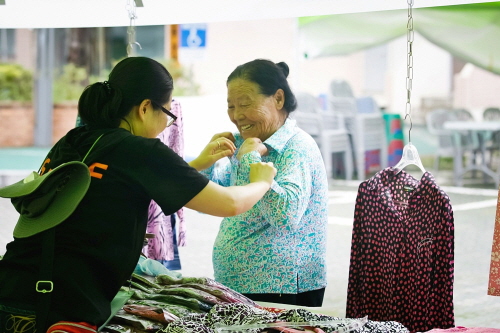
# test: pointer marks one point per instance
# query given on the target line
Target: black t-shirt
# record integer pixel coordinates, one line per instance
(98, 246)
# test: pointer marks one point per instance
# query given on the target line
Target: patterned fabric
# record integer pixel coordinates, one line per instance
(222, 314)
(278, 246)
(494, 282)
(240, 314)
(402, 252)
(162, 246)
(186, 326)
(344, 325)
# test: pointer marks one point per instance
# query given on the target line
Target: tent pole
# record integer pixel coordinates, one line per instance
(43, 102)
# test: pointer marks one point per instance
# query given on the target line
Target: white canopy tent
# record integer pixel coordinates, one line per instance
(106, 13)
(44, 15)
(469, 31)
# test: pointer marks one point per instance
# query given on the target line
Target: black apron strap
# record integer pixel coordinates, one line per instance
(45, 286)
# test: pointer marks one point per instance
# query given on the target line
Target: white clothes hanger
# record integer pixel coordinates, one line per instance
(410, 156)
(410, 153)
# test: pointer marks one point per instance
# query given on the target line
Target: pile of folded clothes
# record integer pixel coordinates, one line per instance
(165, 303)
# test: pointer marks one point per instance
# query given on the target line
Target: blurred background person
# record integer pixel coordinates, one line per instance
(168, 230)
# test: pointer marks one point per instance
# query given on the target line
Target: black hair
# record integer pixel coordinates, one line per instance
(132, 80)
(269, 77)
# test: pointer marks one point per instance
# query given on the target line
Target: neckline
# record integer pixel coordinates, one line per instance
(386, 191)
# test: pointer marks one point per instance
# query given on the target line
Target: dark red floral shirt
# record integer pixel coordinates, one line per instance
(402, 252)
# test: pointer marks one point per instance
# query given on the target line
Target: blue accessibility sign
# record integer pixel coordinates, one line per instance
(193, 35)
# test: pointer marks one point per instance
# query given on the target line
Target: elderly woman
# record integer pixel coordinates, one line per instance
(275, 252)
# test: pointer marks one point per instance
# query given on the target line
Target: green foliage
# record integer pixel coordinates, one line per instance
(184, 84)
(445, 163)
(69, 85)
(16, 83)
(103, 76)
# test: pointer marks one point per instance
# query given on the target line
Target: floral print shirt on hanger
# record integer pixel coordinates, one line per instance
(402, 252)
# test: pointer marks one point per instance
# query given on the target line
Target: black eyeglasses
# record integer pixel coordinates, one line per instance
(172, 117)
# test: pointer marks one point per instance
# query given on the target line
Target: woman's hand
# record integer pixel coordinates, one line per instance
(262, 171)
(252, 144)
(221, 145)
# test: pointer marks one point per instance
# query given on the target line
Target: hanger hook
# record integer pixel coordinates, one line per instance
(411, 125)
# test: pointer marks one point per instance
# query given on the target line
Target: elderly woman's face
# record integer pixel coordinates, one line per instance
(255, 115)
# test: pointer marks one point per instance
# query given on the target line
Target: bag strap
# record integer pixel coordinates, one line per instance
(100, 136)
(44, 285)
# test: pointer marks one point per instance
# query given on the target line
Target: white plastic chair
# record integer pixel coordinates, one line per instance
(468, 140)
(491, 114)
(366, 130)
(367, 104)
(328, 131)
(445, 138)
(434, 122)
(493, 142)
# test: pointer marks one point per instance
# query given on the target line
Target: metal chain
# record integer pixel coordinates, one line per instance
(131, 6)
(409, 64)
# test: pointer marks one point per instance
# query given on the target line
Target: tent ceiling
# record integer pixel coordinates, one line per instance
(103, 13)
(469, 32)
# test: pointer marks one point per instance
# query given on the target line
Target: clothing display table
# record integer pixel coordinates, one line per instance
(188, 304)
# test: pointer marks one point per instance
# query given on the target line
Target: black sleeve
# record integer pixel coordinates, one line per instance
(169, 180)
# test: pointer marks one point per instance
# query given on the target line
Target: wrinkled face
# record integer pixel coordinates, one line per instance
(254, 114)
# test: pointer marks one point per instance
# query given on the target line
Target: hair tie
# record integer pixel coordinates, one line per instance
(107, 86)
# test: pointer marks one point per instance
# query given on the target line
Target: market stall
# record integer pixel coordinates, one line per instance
(178, 304)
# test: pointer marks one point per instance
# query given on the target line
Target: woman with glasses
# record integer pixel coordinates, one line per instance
(276, 251)
(98, 246)
(162, 241)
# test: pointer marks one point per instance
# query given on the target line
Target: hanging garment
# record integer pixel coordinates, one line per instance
(402, 252)
(494, 283)
(163, 247)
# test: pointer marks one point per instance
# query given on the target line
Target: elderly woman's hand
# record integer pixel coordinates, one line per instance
(252, 144)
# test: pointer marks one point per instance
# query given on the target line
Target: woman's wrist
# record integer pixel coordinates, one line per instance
(195, 164)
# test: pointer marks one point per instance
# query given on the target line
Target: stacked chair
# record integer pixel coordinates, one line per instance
(364, 123)
(447, 141)
(493, 142)
(327, 129)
